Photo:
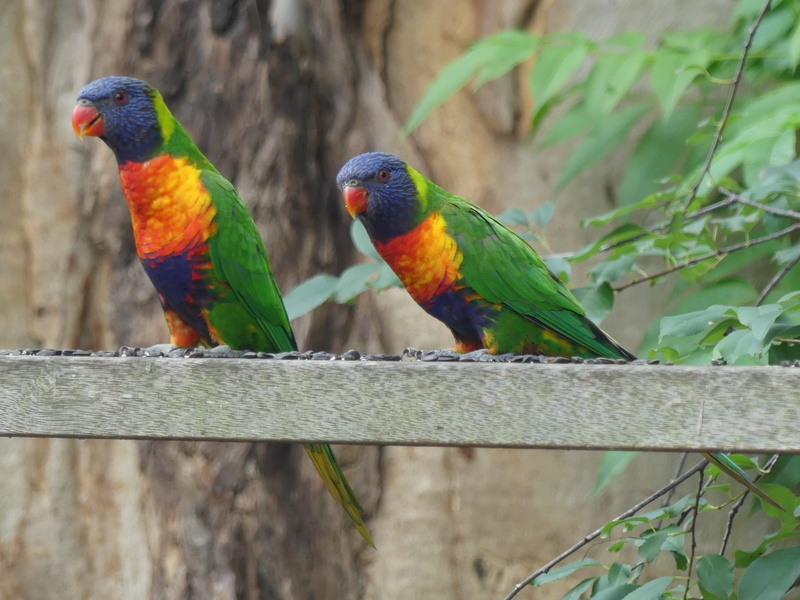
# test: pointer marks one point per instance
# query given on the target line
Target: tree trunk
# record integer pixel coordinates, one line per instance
(278, 95)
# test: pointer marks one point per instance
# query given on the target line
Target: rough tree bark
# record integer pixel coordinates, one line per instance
(278, 94)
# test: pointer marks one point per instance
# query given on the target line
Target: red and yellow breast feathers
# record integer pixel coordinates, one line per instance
(170, 208)
(426, 259)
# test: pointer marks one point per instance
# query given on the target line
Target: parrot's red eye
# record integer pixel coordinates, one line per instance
(383, 175)
(120, 97)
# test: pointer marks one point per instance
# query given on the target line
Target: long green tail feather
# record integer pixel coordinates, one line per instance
(325, 463)
(724, 462)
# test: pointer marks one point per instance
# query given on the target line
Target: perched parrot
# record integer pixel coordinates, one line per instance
(195, 238)
(465, 268)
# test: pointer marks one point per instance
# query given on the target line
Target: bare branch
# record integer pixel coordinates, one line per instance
(628, 513)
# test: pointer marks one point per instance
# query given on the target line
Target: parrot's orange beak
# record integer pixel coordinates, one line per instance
(86, 120)
(355, 199)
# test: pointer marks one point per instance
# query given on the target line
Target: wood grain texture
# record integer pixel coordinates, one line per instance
(413, 403)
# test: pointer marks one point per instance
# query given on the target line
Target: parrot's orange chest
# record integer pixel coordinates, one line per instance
(426, 259)
(171, 210)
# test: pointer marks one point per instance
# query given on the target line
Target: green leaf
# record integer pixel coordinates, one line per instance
(652, 590)
(735, 290)
(576, 592)
(715, 576)
(309, 294)
(670, 77)
(741, 347)
(512, 47)
(616, 592)
(612, 269)
(612, 463)
(514, 216)
(651, 548)
(361, 240)
(773, 27)
(496, 54)
(542, 214)
(620, 235)
(617, 546)
(597, 300)
(696, 322)
(656, 153)
(611, 79)
(603, 138)
(564, 571)
(555, 65)
(618, 573)
(570, 124)
(787, 255)
(771, 576)
(353, 281)
(759, 319)
(386, 278)
(744, 558)
(794, 46)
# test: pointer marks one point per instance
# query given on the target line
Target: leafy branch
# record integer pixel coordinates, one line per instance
(726, 111)
(597, 532)
(719, 253)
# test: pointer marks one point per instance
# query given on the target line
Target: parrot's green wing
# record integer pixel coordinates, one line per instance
(504, 269)
(239, 259)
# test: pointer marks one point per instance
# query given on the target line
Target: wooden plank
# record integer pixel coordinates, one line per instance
(748, 409)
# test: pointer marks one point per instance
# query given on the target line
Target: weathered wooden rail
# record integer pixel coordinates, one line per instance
(749, 409)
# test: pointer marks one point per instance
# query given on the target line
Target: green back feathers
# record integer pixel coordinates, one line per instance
(240, 261)
(503, 269)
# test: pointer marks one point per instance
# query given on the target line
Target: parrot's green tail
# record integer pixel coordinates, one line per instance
(724, 462)
(325, 463)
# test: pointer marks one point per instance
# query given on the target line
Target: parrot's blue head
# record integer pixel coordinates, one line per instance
(380, 191)
(126, 113)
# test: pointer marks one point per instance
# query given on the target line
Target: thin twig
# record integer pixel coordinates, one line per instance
(658, 228)
(738, 504)
(722, 252)
(792, 214)
(628, 513)
(776, 280)
(726, 111)
(681, 464)
(729, 525)
(693, 531)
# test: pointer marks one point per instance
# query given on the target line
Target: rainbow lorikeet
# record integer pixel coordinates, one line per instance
(195, 238)
(464, 267)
